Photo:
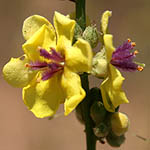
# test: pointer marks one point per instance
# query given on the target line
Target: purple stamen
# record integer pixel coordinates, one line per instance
(122, 57)
(37, 65)
(57, 55)
(55, 63)
(53, 55)
(49, 73)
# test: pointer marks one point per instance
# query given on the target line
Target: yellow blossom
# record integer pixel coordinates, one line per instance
(48, 71)
(111, 87)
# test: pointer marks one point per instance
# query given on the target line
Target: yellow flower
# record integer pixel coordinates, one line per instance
(111, 87)
(48, 71)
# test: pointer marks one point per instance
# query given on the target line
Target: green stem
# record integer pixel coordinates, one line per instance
(80, 13)
(86, 103)
(85, 107)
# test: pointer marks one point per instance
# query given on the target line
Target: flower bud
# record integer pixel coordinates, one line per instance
(101, 130)
(100, 65)
(115, 141)
(98, 112)
(119, 123)
(90, 34)
(77, 32)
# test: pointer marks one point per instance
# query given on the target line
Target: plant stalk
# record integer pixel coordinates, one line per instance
(86, 103)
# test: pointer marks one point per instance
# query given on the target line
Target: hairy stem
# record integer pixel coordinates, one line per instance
(86, 103)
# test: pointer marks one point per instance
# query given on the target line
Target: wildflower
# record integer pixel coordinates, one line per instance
(47, 71)
(121, 58)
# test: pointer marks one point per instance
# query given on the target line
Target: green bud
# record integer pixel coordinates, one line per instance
(98, 112)
(119, 123)
(115, 141)
(101, 130)
(91, 35)
(100, 65)
(77, 32)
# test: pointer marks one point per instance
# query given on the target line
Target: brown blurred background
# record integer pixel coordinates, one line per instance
(20, 130)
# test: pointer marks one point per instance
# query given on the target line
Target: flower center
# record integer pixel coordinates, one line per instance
(55, 63)
(122, 57)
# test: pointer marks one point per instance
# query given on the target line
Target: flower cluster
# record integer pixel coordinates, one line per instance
(53, 60)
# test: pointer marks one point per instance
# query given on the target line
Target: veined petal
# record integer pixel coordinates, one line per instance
(108, 42)
(44, 37)
(64, 29)
(104, 21)
(111, 89)
(43, 98)
(79, 57)
(33, 24)
(16, 74)
(74, 93)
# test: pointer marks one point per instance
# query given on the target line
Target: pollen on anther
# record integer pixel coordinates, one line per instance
(139, 68)
(136, 52)
(27, 65)
(129, 40)
(133, 44)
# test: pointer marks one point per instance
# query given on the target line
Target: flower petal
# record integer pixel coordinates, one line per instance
(79, 57)
(108, 42)
(44, 37)
(33, 24)
(104, 21)
(111, 89)
(64, 29)
(74, 93)
(43, 98)
(15, 72)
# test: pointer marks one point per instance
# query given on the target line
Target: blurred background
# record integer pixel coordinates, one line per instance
(20, 130)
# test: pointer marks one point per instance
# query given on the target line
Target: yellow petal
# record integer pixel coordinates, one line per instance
(105, 90)
(43, 98)
(64, 29)
(79, 57)
(109, 48)
(104, 21)
(15, 72)
(33, 24)
(112, 92)
(44, 37)
(74, 93)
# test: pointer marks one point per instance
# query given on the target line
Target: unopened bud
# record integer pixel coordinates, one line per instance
(101, 130)
(119, 123)
(77, 32)
(100, 65)
(91, 35)
(98, 112)
(115, 141)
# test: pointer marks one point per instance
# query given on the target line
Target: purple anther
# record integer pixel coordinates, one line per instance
(53, 55)
(122, 57)
(37, 65)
